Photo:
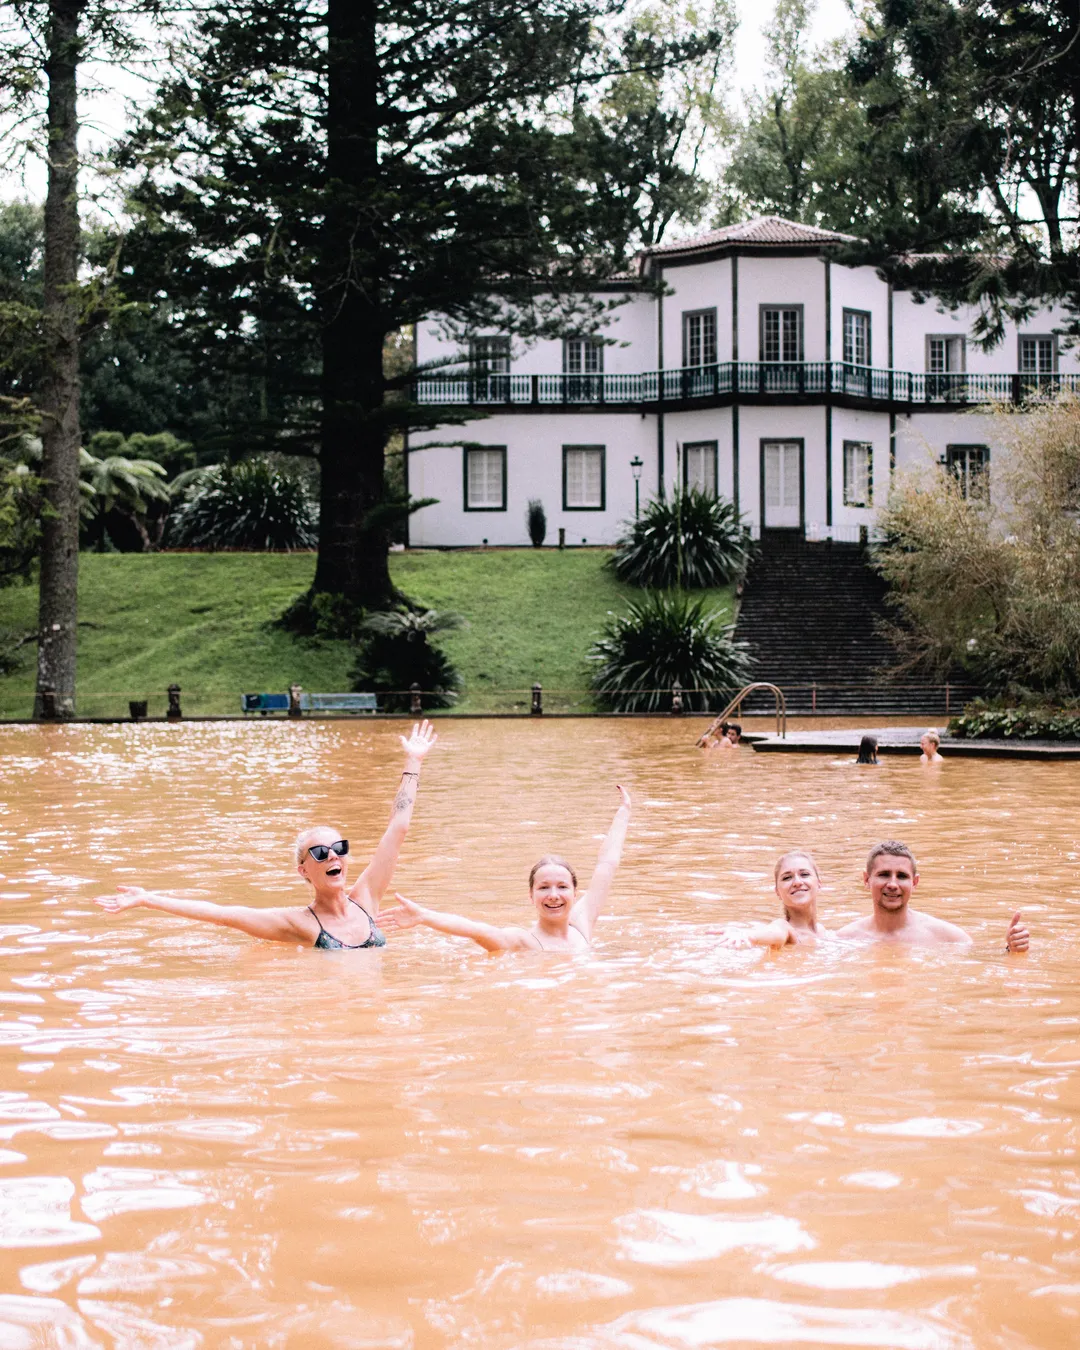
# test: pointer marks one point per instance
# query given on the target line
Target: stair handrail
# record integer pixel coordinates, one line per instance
(736, 704)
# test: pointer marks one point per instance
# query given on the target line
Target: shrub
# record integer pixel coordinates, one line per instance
(395, 653)
(690, 539)
(663, 639)
(990, 584)
(249, 505)
(1017, 723)
(536, 522)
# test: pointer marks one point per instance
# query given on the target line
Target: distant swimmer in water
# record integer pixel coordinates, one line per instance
(337, 917)
(867, 751)
(891, 875)
(564, 920)
(720, 739)
(929, 742)
(798, 885)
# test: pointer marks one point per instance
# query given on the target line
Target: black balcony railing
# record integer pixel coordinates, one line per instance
(736, 379)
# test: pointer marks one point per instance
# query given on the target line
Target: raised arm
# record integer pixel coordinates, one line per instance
(278, 925)
(583, 915)
(379, 872)
(408, 914)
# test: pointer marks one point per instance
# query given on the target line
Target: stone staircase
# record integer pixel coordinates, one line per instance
(809, 614)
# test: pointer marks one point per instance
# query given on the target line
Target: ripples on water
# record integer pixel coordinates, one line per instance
(209, 1141)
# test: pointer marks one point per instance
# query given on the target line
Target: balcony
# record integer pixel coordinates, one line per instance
(747, 381)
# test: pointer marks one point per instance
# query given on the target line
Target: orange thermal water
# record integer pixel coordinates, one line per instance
(210, 1141)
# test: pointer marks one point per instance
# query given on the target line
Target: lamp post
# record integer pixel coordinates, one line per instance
(636, 466)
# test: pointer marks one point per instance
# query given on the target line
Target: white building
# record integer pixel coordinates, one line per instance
(766, 372)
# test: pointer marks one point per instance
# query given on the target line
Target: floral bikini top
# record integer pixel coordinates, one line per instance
(328, 942)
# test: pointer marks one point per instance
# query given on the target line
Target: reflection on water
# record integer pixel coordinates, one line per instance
(209, 1141)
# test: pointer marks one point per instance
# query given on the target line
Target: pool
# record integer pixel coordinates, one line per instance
(210, 1141)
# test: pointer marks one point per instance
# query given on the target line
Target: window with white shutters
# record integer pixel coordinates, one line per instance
(781, 332)
(699, 466)
(858, 473)
(485, 478)
(856, 337)
(583, 356)
(699, 338)
(945, 355)
(970, 464)
(583, 477)
(781, 465)
(1037, 355)
(490, 355)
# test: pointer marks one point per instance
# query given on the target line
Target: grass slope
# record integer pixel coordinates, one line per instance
(202, 620)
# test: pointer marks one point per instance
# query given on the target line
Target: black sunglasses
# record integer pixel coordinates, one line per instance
(320, 852)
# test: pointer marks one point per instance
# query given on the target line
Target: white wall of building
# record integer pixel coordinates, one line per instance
(534, 468)
(534, 440)
(860, 288)
(924, 437)
(696, 286)
(781, 281)
(628, 327)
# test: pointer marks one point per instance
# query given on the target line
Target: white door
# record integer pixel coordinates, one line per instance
(782, 506)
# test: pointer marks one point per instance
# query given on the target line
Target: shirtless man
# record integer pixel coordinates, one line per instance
(929, 742)
(891, 875)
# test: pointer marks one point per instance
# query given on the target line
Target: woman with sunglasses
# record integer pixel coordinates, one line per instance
(338, 917)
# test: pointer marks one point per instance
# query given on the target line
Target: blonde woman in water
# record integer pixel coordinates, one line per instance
(339, 916)
(798, 885)
(564, 920)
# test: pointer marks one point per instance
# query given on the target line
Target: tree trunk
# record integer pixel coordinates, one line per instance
(59, 396)
(352, 548)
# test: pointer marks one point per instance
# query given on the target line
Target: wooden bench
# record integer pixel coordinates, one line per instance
(349, 703)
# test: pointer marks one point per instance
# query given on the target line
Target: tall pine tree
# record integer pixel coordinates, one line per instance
(323, 173)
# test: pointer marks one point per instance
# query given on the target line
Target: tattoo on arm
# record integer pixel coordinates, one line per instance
(406, 795)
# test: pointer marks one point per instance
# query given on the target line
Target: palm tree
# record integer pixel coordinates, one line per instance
(116, 483)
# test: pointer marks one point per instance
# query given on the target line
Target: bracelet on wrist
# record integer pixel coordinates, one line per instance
(410, 773)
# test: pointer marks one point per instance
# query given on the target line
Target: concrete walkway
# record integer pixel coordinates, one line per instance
(905, 741)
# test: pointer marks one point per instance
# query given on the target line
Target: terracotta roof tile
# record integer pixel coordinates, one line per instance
(763, 230)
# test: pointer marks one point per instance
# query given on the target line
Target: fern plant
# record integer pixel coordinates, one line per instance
(396, 652)
(249, 505)
(662, 640)
(690, 539)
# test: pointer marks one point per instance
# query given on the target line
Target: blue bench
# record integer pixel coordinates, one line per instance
(349, 703)
(264, 703)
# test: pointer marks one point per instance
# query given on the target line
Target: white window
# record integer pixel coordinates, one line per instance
(583, 477)
(1037, 355)
(485, 478)
(781, 332)
(583, 356)
(858, 473)
(783, 492)
(856, 337)
(699, 466)
(699, 338)
(945, 355)
(490, 355)
(970, 464)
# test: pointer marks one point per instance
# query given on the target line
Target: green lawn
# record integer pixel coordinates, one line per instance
(202, 620)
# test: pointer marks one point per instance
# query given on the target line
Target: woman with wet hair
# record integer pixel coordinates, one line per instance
(564, 920)
(867, 751)
(339, 916)
(798, 885)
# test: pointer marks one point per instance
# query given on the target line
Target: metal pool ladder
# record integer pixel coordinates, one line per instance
(736, 704)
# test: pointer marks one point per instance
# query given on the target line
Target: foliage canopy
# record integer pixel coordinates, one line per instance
(992, 583)
(688, 539)
(664, 639)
